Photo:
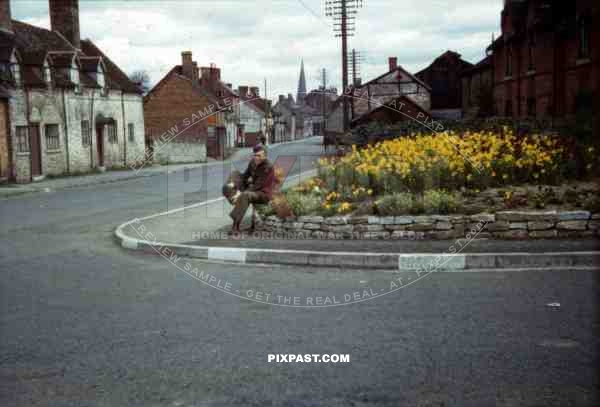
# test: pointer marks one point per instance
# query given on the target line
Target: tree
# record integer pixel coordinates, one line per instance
(141, 79)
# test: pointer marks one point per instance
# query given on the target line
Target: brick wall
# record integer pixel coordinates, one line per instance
(172, 102)
(558, 74)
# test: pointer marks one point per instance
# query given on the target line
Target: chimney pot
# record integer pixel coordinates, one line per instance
(5, 16)
(64, 18)
(393, 63)
(187, 65)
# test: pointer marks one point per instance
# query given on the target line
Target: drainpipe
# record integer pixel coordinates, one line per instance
(66, 130)
(124, 130)
(28, 113)
(91, 129)
(9, 143)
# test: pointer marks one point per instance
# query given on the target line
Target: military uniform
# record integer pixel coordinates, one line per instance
(259, 180)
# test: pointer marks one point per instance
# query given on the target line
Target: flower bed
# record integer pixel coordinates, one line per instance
(449, 173)
(501, 225)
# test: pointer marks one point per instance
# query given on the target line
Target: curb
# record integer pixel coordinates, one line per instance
(420, 262)
(589, 260)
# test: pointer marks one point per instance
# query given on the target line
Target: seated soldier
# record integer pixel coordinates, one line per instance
(259, 179)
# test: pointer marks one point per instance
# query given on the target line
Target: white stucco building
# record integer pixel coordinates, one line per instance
(70, 108)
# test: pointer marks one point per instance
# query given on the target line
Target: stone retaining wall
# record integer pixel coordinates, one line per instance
(501, 225)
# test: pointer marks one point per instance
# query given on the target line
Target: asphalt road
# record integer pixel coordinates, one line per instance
(85, 323)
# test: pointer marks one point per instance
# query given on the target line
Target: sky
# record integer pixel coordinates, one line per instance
(251, 40)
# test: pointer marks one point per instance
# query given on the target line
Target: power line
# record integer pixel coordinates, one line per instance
(311, 11)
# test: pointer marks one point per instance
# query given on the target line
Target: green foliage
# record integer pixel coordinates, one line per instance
(395, 204)
(303, 203)
(438, 201)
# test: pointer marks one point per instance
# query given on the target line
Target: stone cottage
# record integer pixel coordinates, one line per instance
(67, 108)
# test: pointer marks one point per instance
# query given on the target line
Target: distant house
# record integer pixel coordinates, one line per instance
(317, 105)
(252, 115)
(287, 121)
(478, 89)
(400, 94)
(65, 107)
(547, 60)
(185, 120)
(210, 82)
(443, 75)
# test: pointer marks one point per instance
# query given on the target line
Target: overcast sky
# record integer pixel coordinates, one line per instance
(252, 40)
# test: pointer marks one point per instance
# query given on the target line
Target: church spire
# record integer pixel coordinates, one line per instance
(301, 85)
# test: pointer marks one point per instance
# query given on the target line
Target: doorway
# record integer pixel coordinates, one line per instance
(36, 150)
(100, 145)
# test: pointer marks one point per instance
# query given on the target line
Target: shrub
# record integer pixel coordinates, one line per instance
(395, 204)
(303, 204)
(440, 202)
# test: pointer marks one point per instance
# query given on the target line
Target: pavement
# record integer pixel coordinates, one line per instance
(84, 322)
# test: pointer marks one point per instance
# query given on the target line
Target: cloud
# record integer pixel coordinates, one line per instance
(251, 41)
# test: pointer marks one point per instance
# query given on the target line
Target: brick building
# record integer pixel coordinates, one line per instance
(443, 76)
(478, 89)
(65, 107)
(546, 62)
(396, 89)
(191, 109)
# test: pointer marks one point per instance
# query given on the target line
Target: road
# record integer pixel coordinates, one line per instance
(86, 323)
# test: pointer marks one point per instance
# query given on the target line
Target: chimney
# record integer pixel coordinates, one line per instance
(281, 98)
(393, 63)
(64, 18)
(254, 90)
(210, 73)
(195, 71)
(5, 18)
(187, 66)
(243, 90)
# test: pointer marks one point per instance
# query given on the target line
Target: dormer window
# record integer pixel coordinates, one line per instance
(47, 73)
(15, 69)
(100, 77)
(74, 76)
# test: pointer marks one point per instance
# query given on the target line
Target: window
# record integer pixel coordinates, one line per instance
(508, 108)
(74, 76)
(15, 69)
(131, 132)
(584, 37)
(52, 137)
(111, 128)
(100, 77)
(47, 73)
(531, 107)
(508, 71)
(22, 139)
(86, 140)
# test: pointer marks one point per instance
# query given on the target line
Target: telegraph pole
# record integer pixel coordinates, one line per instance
(323, 99)
(356, 57)
(342, 12)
